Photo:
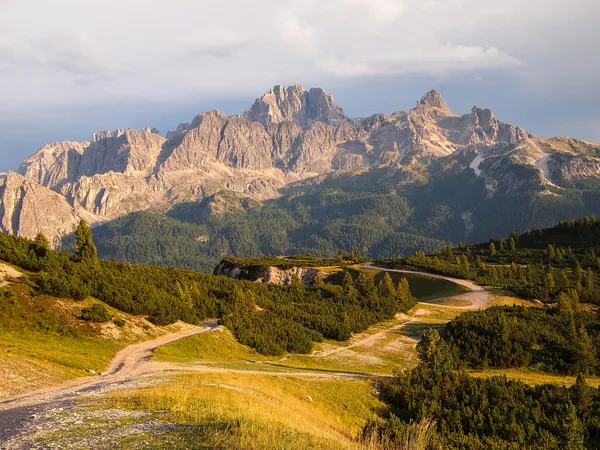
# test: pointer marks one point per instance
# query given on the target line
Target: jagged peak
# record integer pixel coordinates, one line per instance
(485, 116)
(434, 99)
(212, 114)
(295, 104)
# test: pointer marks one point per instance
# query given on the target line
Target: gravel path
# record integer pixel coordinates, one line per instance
(18, 415)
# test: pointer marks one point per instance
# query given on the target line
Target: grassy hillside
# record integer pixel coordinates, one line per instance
(44, 340)
(228, 411)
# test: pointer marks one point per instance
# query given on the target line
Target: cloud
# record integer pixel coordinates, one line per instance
(75, 53)
(438, 60)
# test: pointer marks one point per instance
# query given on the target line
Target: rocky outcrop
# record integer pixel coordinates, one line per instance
(28, 208)
(296, 104)
(289, 135)
(306, 276)
(268, 274)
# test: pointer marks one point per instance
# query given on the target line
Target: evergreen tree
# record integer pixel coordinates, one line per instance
(551, 252)
(573, 431)
(434, 353)
(586, 361)
(492, 249)
(512, 244)
(589, 280)
(85, 250)
(386, 287)
(563, 279)
(581, 393)
(42, 245)
(42, 241)
(550, 281)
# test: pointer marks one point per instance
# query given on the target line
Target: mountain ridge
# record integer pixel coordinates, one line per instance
(289, 136)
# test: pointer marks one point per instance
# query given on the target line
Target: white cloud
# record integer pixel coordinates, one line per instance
(74, 52)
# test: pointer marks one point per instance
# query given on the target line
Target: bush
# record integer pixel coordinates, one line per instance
(95, 313)
(119, 322)
(6, 292)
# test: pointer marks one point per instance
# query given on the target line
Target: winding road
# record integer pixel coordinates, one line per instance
(131, 363)
(478, 296)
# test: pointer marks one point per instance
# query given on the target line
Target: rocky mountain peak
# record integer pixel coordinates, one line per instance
(483, 117)
(295, 104)
(433, 99)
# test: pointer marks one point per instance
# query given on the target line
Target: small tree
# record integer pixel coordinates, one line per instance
(42, 241)
(85, 250)
(492, 249)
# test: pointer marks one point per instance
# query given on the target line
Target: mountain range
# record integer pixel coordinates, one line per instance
(471, 174)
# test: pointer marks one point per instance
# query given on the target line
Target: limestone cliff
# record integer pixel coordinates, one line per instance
(289, 135)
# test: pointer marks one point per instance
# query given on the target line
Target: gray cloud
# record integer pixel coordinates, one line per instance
(110, 53)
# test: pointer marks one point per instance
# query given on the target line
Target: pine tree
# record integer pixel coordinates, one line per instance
(586, 361)
(42, 245)
(42, 241)
(550, 281)
(350, 291)
(492, 249)
(565, 303)
(404, 296)
(512, 244)
(551, 252)
(85, 250)
(563, 278)
(572, 430)
(434, 353)
(386, 287)
(589, 280)
(480, 265)
(581, 393)
(578, 273)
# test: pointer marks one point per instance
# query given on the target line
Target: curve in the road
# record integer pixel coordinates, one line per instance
(478, 296)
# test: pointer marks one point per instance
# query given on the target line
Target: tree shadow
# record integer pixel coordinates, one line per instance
(415, 330)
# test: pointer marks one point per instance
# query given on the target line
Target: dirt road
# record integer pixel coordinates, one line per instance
(478, 297)
(17, 413)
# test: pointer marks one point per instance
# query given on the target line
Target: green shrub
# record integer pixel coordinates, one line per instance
(6, 292)
(119, 322)
(95, 313)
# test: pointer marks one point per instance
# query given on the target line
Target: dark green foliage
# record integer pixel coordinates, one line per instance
(119, 323)
(537, 268)
(85, 250)
(95, 313)
(505, 337)
(493, 413)
(6, 292)
(319, 224)
(270, 318)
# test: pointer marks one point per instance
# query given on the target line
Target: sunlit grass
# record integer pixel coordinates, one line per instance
(531, 377)
(240, 411)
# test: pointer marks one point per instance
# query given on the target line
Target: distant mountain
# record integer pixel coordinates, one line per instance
(482, 175)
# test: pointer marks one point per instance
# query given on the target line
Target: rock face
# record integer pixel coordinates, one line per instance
(269, 274)
(296, 104)
(27, 208)
(289, 135)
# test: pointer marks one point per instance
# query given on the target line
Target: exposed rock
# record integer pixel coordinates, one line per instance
(289, 135)
(28, 208)
(296, 104)
(270, 274)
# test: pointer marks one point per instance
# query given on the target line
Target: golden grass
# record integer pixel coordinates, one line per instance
(532, 378)
(43, 341)
(239, 411)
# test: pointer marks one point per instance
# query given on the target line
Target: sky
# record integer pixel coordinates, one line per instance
(69, 68)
